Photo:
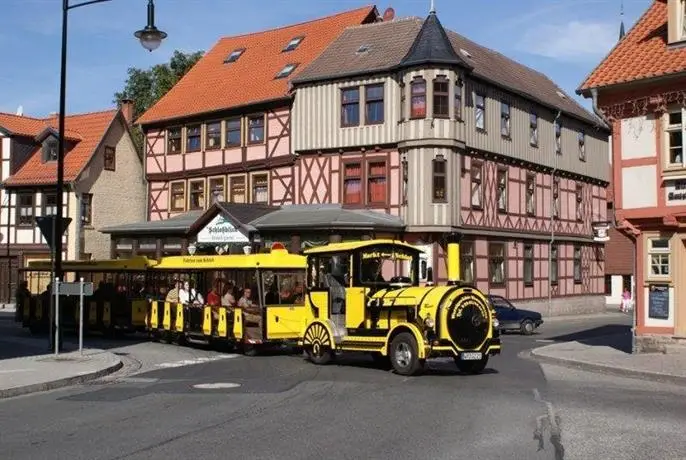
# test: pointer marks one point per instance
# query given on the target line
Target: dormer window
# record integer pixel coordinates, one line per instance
(293, 44)
(50, 150)
(676, 21)
(286, 71)
(235, 54)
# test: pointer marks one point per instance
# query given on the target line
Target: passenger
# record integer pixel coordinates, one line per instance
(173, 294)
(214, 296)
(189, 296)
(298, 293)
(251, 311)
(228, 296)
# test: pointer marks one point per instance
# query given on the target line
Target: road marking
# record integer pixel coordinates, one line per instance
(16, 370)
(545, 340)
(215, 386)
(199, 360)
(138, 380)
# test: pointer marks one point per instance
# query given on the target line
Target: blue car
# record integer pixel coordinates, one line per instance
(514, 319)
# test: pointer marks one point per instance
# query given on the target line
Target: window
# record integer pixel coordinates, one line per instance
(50, 150)
(579, 194)
(675, 138)
(402, 101)
(350, 107)
(556, 197)
(177, 196)
(533, 129)
(577, 264)
(439, 179)
(505, 119)
(174, 140)
(256, 129)
(376, 182)
(233, 132)
(25, 209)
(476, 194)
(553, 264)
(528, 265)
(87, 208)
(581, 138)
(49, 204)
(293, 44)
(418, 101)
(658, 257)
(441, 98)
(217, 189)
(501, 192)
(457, 102)
(110, 159)
(531, 194)
(237, 189)
(558, 136)
(193, 138)
(467, 262)
(213, 137)
(374, 107)
(496, 263)
(286, 71)
(608, 284)
(352, 183)
(283, 288)
(260, 188)
(480, 111)
(234, 55)
(196, 194)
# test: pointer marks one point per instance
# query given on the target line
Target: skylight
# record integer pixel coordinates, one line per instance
(293, 44)
(561, 94)
(235, 54)
(286, 71)
(465, 52)
(362, 49)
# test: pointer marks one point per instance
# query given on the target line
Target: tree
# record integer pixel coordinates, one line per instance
(146, 87)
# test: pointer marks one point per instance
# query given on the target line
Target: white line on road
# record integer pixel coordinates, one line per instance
(545, 340)
(215, 386)
(9, 371)
(190, 362)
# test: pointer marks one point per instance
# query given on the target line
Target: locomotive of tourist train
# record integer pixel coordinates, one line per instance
(362, 296)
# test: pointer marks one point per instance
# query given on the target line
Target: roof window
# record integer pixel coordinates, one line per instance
(286, 71)
(465, 52)
(362, 49)
(561, 94)
(235, 54)
(293, 44)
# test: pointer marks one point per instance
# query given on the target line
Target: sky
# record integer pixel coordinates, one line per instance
(564, 39)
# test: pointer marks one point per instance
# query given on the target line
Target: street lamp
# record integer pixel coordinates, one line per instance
(150, 38)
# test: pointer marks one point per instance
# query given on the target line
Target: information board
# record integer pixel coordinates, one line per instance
(658, 301)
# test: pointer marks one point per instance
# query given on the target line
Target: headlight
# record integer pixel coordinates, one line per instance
(429, 322)
(496, 323)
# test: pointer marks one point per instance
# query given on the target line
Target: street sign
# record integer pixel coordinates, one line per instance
(75, 289)
(46, 223)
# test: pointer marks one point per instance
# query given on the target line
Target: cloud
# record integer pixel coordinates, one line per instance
(574, 41)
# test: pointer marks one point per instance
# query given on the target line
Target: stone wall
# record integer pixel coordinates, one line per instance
(568, 305)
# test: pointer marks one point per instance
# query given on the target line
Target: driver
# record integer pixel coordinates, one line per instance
(371, 271)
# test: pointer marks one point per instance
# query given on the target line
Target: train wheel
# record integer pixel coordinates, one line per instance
(404, 354)
(472, 367)
(317, 344)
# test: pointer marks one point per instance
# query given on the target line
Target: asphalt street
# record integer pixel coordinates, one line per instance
(282, 407)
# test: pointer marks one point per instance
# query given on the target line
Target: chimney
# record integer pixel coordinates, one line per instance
(126, 106)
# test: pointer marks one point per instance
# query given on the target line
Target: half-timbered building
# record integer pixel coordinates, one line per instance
(405, 117)
(222, 133)
(102, 171)
(640, 88)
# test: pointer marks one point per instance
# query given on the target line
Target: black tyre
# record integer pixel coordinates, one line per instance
(317, 344)
(527, 327)
(404, 355)
(472, 367)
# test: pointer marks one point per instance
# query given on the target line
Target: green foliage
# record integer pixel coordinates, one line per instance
(146, 87)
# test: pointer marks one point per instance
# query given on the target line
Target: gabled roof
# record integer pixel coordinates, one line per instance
(213, 85)
(389, 42)
(19, 125)
(90, 127)
(643, 53)
(432, 46)
(54, 131)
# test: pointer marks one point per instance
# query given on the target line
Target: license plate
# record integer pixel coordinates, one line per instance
(474, 356)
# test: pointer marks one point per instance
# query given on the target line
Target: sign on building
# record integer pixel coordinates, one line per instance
(220, 230)
(676, 191)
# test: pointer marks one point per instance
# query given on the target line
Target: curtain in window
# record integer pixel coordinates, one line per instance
(377, 182)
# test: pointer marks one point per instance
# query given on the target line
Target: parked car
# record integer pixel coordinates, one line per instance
(512, 318)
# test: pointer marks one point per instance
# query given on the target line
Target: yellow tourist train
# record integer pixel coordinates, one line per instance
(362, 296)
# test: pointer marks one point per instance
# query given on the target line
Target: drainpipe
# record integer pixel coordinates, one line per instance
(552, 225)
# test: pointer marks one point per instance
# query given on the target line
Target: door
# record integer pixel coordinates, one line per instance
(285, 322)
(680, 293)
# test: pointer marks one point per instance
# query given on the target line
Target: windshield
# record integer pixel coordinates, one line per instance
(385, 265)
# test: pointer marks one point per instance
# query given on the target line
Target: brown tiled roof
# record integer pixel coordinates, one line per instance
(642, 53)
(20, 125)
(89, 128)
(212, 85)
(389, 42)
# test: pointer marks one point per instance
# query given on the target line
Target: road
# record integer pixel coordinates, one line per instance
(281, 407)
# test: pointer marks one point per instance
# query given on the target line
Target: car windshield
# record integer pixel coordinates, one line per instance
(499, 302)
(388, 265)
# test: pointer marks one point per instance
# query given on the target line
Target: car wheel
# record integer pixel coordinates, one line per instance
(404, 355)
(527, 327)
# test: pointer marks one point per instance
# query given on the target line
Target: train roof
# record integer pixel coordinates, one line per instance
(276, 259)
(355, 245)
(138, 263)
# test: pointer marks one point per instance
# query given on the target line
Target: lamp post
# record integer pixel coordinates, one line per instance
(150, 38)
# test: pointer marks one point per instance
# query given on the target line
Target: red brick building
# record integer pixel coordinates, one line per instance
(640, 89)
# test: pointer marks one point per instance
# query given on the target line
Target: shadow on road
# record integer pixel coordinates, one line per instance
(617, 336)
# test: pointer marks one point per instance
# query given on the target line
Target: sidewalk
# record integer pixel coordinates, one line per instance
(19, 376)
(610, 354)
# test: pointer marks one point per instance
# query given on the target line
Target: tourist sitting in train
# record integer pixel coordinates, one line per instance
(272, 295)
(189, 296)
(370, 271)
(214, 298)
(173, 294)
(251, 310)
(229, 295)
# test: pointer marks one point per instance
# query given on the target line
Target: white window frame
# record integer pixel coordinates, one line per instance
(581, 138)
(662, 257)
(556, 197)
(501, 191)
(505, 109)
(476, 185)
(557, 127)
(480, 111)
(672, 128)
(531, 194)
(682, 19)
